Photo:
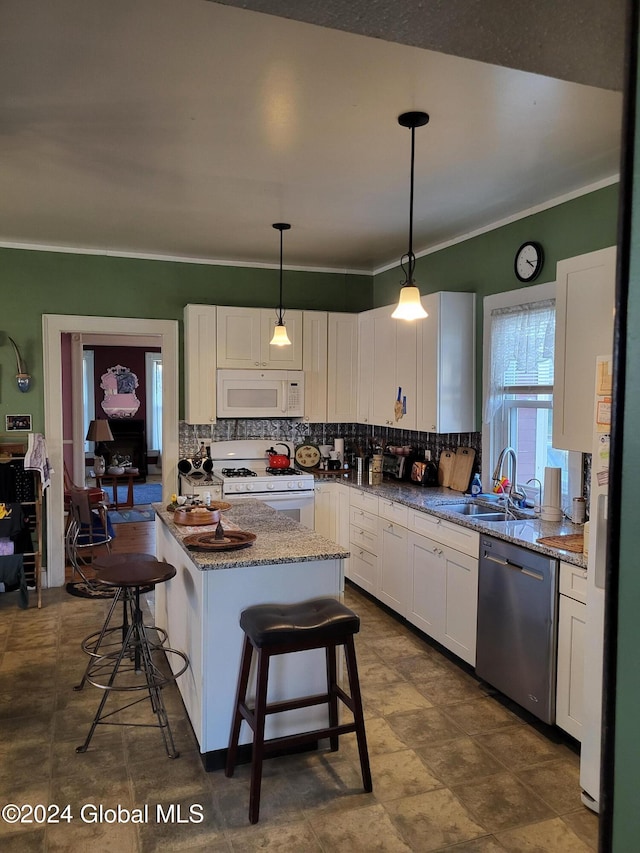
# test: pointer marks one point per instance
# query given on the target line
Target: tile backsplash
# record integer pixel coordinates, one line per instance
(357, 437)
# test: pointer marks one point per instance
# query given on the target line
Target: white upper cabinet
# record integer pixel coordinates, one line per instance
(585, 303)
(342, 367)
(426, 367)
(393, 379)
(330, 363)
(244, 334)
(314, 364)
(200, 364)
(365, 367)
(446, 363)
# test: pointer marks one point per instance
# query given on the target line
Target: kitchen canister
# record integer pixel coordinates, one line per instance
(578, 510)
(375, 470)
(551, 509)
(338, 445)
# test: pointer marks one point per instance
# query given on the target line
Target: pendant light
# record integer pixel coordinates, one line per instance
(409, 305)
(280, 337)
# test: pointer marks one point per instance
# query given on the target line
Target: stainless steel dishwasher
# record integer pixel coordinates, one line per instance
(517, 624)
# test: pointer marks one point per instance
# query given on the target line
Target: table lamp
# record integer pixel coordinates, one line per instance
(99, 431)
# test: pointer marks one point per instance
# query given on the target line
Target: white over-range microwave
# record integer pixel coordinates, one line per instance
(260, 393)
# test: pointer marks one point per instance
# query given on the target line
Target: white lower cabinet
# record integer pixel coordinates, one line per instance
(443, 594)
(363, 568)
(324, 510)
(393, 574)
(426, 585)
(421, 577)
(571, 628)
(332, 511)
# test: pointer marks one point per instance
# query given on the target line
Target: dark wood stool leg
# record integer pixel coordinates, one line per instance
(241, 694)
(331, 652)
(354, 689)
(258, 735)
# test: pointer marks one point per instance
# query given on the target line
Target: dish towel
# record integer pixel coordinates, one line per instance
(37, 459)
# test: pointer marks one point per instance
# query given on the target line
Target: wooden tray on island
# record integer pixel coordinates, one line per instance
(221, 505)
(233, 539)
(195, 517)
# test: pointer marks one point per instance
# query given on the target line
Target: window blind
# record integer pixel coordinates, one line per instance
(522, 345)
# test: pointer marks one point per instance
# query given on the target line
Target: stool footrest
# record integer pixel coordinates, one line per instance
(293, 704)
(277, 743)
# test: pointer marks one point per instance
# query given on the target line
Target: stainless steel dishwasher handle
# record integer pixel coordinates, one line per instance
(511, 565)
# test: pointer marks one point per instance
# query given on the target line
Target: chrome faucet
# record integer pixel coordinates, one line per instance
(537, 507)
(514, 496)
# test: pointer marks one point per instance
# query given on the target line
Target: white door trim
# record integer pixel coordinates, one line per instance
(53, 326)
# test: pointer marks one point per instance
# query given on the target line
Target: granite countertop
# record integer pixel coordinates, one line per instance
(279, 539)
(524, 532)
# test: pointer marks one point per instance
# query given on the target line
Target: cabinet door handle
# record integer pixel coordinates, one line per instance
(257, 363)
(389, 526)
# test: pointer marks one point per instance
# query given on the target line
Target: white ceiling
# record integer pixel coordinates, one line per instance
(186, 128)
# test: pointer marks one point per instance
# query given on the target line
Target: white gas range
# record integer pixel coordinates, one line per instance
(241, 471)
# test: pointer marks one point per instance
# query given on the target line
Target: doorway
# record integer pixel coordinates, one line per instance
(54, 326)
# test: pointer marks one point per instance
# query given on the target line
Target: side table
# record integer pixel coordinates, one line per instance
(113, 480)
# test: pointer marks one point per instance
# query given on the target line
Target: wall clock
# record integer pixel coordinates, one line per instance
(528, 261)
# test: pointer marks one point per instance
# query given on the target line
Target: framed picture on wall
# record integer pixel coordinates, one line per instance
(18, 423)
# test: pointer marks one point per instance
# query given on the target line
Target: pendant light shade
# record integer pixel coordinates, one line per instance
(409, 305)
(280, 337)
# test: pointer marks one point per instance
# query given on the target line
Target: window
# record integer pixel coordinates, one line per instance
(518, 405)
(153, 369)
(88, 395)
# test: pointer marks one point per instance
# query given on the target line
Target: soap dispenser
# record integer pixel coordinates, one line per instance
(476, 485)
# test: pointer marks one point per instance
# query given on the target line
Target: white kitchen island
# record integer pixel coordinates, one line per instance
(200, 609)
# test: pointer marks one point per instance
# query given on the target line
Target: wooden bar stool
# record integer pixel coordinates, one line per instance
(277, 629)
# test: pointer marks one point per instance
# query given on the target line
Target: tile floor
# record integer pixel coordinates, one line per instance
(453, 768)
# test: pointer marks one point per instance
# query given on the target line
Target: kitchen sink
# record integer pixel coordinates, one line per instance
(482, 513)
(470, 509)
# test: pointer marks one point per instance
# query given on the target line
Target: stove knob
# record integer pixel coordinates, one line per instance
(271, 486)
(291, 485)
(301, 485)
(250, 487)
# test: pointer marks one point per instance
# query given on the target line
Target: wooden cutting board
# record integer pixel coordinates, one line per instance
(462, 468)
(445, 467)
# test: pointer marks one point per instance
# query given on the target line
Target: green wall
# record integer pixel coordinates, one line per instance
(484, 264)
(37, 283)
(624, 636)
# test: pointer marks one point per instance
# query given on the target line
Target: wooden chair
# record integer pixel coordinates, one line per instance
(97, 495)
(88, 527)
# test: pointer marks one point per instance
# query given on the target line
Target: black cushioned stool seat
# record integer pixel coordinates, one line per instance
(314, 621)
(276, 629)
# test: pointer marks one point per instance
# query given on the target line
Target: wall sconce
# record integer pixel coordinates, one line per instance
(23, 378)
